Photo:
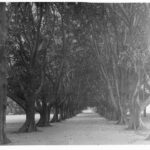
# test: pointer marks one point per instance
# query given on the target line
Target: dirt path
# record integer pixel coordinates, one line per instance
(87, 128)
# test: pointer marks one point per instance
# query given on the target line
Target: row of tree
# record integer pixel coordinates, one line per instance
(66, 56)
(45, 63)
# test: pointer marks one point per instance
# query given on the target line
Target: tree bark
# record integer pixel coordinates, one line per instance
(144, 112)
(56, 113)
(62, 113)
(3, 72)
(136, 106)
(44, 116)
(29, 125)
(135, 121)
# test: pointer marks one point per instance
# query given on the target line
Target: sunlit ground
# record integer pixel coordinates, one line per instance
(85, 128)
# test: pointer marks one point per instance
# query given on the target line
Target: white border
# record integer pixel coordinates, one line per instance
(82, 147)
(77, 147)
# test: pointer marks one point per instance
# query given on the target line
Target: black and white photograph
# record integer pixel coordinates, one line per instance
(74, 73)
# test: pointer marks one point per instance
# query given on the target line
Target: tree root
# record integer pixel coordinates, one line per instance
(43, 124)
(5, 140)
(27, 127)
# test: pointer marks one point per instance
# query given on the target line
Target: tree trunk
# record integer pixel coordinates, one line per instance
(29, 125)
(62, 117)
(61, 114)
(122, 116)
(3, 101)
(44, 116)
(65, 112)
(55, 117)
(145, 112)
(3, 72)
(135, 121)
